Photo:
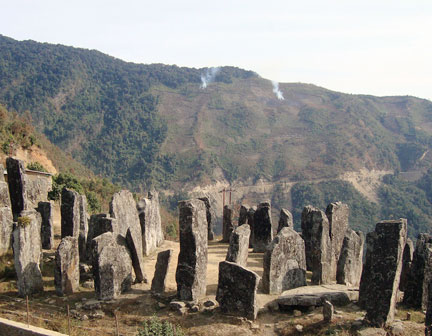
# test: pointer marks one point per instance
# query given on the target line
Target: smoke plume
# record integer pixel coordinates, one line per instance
(209, 76)
(276, 90)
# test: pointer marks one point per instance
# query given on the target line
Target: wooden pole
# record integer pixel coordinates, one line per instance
(28, 312)
(68, 318)
(117, 324)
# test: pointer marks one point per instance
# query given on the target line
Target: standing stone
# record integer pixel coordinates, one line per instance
(17, 184)
(237, 290)
(227, 223)
(416, 290)
(124, 209)
(70, 213)
(6, 218)
(284, 263)
(428, 320)
(238, 249)
(192, 260)
(250, 221)
(315, 232)
(350, 263)
(337, 214)
(66, 272)
(243, 214)
(161, 271)
(83, 231)
(328, 311)
(98, 225)
(27, 249)
(381, 273)
(210, 217)
(407, 259)
(47, 230)
(112, 267)
(263, 231)
(150, 222)
(285, 220)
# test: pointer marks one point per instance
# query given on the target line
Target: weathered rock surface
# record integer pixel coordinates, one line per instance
(284, 263)
(27, 249)
(250, 221)
(161, 271)
(227, 223)
(150, 222)
(243, 214)
(291, 301)
(6, 218)
(428, 320)
(337, 214)
(285, 220)
(328, 311)
(315, 232)
(124, 209)
(350, 263)
(192, 260)
(112, 266)
(237, 290)
(99, 224)
(416, 289)
(83, 230)
(238, 249)
(210, 217)
(381, 273)
(47, 230)
(66, 272)
(263, 231)
(70, 213)
(407, 259)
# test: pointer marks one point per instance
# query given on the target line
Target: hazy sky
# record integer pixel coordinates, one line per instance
(380, 47)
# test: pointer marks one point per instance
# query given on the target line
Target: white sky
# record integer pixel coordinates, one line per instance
(380, 47)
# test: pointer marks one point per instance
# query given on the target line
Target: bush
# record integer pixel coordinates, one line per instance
(36, 166)
(156, 327)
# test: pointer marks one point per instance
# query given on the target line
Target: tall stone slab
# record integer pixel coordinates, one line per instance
(350, 263)
(284, 262)
(210, 217)
(381, 273)
(315, 232)
(70, 213)
(124, 209)
(285, 220)
(407, 259)
(237, 290)
(227, 223)
(250, 221)
(263, 231)
(47, 229)
(416, 289)
(99, 224)
(428, 319)
(192, 260)
(27, 250)
(6, 219)
(150, 222)
(66, 272)
(83, 229)
(17, 184)
(243, 214)
(337, 214)
(112, 266)
(238, 249)
(161, 271)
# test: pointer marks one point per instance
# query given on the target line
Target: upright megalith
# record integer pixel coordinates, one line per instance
(98, 224)
(263, 231)
(112, 266)
(83, 227)
(17, 184)
(315, 232)
(337, 214)
(124, 209)
(150, 222)
(227, 223)
(192, 260)
(6, 219)
(46, 211)
(285, 220)
(284, 262)
(407, 258)
(161, 271)
(420, 275)
(210, 217)
(350, 262)
(250, 221)
(70, 213)
(66, 272)
(237, 290)
(381, 273)
(27, 250)
(428, 319)
(243, 214)
(238, 249)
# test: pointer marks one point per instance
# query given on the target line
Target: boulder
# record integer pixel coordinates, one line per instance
(328, 311)
(263, 231)
(350, 262)
(47, 230)
(67, 272)
(284, 263)
(192, 260)
(161, 271)
(303, 301)
(237, 290)
(381, 272)
(210, 217)
(285, 220)
(238, 249)
(227, 223)
(27, 250)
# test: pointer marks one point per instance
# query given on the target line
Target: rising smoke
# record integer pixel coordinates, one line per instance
(276, 90)
(209, 76)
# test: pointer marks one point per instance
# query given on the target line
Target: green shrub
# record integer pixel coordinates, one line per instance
(24, 221)
(36, 166)
(156, 327)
